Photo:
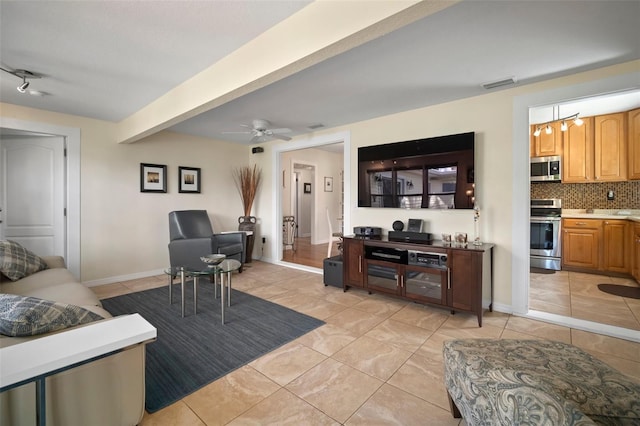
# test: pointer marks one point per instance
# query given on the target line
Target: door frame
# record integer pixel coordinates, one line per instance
(276, 227)
(520, 196)
(72, 182)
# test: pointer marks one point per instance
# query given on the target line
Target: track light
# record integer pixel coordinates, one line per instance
(563, 127)
(23, 87)
(24, 75)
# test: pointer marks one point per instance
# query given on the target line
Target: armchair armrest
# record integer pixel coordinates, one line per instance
(233, 244)
(188, 252)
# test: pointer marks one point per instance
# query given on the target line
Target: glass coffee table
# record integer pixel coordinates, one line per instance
(220, 273)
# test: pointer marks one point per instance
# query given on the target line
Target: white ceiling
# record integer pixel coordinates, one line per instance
(108, 59)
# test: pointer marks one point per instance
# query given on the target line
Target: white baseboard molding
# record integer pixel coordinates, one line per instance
(584, 325)
(505, 309)
(120, 278)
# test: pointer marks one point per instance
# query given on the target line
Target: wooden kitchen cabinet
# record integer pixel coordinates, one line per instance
(635, 240)
(577, 160)
(633, 135)
(610, 141)
(615, 255)
(580, 243)
(545, 145)
(353, 262)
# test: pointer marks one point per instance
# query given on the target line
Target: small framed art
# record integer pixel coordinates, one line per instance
(189, 180)
(153, 178)
(328, 184)
(307, 188)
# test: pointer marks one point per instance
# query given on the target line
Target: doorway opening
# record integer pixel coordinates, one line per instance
(312, 173)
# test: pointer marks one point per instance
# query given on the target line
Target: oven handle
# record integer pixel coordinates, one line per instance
(546, 220)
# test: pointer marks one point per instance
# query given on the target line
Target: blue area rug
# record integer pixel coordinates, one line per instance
(193, 351)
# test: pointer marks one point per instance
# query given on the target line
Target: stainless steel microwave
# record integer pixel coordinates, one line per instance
(544, 169)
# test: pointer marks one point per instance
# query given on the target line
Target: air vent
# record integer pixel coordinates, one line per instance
(505, 82)
(316, 126)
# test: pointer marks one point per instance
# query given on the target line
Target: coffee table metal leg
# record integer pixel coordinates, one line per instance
(182, 289)
(229, 288)
(195, 294)
(222, 298)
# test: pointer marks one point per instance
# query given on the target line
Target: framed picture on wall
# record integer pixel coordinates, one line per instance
(153, 178)
(328, 184)
(189, 180)
(307, 188)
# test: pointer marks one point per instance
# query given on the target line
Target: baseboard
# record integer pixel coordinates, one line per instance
(120, 278)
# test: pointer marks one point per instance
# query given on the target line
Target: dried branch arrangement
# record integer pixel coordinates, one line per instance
(247, 180)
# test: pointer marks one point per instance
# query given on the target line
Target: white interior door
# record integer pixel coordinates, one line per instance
(32, 193)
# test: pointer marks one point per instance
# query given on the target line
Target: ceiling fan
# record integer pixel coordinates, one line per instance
(260, 128)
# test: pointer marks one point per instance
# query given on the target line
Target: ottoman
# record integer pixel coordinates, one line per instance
(535, 382)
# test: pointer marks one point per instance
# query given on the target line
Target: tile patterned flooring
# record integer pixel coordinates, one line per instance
(576, 294)
(377, 360)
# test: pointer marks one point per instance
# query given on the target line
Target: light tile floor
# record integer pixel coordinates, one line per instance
(377, 360)
(576, 294)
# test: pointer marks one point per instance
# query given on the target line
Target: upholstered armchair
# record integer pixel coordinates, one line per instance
(191, 236)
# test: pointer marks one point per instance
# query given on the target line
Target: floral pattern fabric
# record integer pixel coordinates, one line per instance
(536, 382)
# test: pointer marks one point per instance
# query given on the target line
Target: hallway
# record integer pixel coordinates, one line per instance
(307, 254)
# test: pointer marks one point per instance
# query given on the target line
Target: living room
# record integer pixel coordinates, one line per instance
(122, 234)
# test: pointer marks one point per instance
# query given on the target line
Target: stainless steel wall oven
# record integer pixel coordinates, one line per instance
(545, 238)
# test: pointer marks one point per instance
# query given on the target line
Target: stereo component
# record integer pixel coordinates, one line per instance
(411, 237)
(367, 231)
(430, 259)
(398, 225)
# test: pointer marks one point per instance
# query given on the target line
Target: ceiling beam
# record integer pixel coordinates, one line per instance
(318, 32)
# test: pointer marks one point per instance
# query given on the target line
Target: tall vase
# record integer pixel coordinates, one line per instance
(248, 223)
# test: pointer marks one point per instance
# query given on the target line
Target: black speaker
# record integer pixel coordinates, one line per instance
(257, 149)
(398, 225)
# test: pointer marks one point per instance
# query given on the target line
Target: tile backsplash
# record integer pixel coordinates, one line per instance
(590, 195)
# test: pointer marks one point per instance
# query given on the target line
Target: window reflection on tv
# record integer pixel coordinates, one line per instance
(435, 173)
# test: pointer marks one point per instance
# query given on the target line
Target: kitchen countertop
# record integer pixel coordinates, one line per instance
(620, 214)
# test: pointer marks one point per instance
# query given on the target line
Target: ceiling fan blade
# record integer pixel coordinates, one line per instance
(236, 133)
(282, 130)
(281, 137)
(255, 138)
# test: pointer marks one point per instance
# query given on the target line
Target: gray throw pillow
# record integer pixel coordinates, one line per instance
(17, 262)
(22, 316)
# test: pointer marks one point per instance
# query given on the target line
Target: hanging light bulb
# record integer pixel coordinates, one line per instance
(548, 130)
(563, 126)
(578, 121)
(537, 132)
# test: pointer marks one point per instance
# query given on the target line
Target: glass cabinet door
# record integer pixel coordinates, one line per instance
(426, 284)
(384, 278)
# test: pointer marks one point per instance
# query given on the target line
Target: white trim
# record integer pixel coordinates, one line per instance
(72, 139)
(579, 324)
(276, 227)
(127, 277)
(520, 189)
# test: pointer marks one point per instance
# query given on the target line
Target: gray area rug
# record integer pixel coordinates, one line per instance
(193, 351)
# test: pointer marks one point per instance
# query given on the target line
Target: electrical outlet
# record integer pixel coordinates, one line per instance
(264, 240)
(610, 195)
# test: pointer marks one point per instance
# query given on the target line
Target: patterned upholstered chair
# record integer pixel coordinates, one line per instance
(191, 237)
(535, 382)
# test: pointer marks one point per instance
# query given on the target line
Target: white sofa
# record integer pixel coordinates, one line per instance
(109, 391)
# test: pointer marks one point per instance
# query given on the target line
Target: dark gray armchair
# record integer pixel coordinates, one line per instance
(191, 236)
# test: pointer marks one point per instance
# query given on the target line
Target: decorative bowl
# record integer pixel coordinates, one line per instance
(213, 259)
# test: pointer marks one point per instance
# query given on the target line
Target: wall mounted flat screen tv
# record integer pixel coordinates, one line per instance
(430, 173)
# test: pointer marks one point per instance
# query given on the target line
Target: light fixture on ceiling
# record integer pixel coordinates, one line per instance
(563, 127)
(24, 75)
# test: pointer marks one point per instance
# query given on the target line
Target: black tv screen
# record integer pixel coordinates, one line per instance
(436, 173)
